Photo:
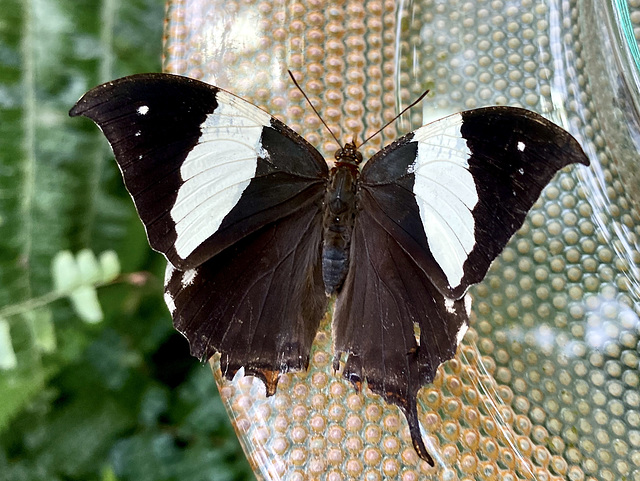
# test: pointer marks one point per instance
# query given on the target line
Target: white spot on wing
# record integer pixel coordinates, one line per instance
(521, 146)
(467, 304)
(168, 272)
(446, 194)
(448, 304)
(168, 298)
(217, 170)
(188, 277)
(143, 110)
(169, 302)
(461, 332)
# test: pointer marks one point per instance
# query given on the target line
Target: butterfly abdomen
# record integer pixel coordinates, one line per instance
(339, 217)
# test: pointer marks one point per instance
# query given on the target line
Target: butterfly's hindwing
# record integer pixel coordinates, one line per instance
(259, 302)
(392, 323)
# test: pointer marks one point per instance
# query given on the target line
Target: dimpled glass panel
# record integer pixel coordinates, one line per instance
(545, 384)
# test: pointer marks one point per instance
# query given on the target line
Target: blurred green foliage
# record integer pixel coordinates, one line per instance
(112, 399)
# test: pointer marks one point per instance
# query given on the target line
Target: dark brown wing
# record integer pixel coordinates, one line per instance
(392, 323)
(471, 178)
(233, 198)
(205, 168)
(259, 302)
(435, 209)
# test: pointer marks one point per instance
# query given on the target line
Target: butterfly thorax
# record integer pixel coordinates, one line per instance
(340, 209)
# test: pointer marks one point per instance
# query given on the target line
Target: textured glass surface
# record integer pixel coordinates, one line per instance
(546, 382)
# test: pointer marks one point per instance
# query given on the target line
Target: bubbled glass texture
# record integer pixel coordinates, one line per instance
(546, 383)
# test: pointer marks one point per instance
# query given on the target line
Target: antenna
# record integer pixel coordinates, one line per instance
(314, 109)
(393, 119)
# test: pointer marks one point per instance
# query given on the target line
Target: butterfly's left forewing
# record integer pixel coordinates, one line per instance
(233, 198)
(205, 168)
(435, 209)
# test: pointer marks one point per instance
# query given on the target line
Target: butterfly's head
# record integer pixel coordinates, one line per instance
(349, 153)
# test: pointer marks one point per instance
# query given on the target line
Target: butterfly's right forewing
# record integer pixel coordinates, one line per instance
(456, 190)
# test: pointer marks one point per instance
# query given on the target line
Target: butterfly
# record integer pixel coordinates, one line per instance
(260, 233)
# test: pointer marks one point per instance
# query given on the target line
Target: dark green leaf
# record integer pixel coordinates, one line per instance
(89, 401)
